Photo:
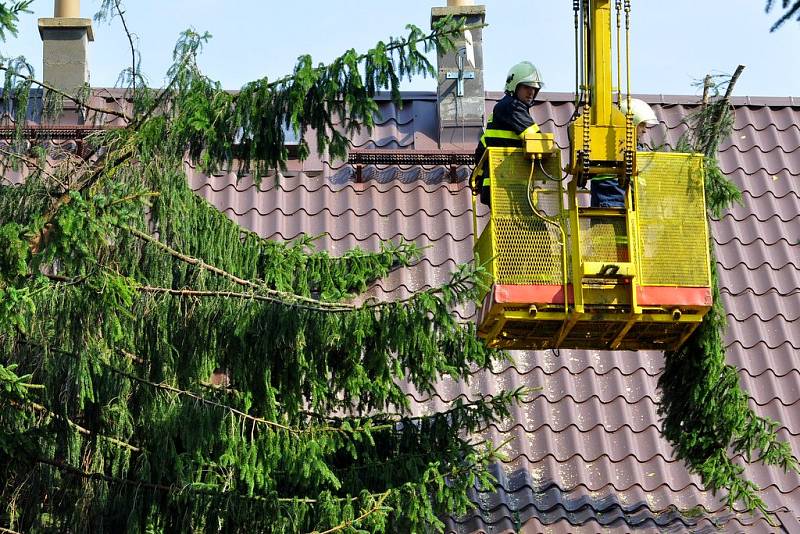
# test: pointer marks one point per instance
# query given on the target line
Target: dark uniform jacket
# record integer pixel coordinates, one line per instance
(508, 123)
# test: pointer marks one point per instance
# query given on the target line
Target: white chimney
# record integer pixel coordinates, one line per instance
(66, 39)
(460, 90)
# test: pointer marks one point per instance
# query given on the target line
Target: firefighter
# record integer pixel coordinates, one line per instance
(643, 118)
(511, 118)
(606, 191)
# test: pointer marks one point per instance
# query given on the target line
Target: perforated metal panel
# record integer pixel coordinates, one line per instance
(548, 191)
(667, 243)
(673, 234)
(604, 239)
(527, 249)
(509, 171)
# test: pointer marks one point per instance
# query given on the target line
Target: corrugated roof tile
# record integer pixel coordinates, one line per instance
(747, 137)
(587, 454)
(594, 425)
(766, 205)
(762, 358)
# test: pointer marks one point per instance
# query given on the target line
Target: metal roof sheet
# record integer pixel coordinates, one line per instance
(588, 455)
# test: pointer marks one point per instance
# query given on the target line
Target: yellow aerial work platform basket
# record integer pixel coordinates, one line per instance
(565, 275)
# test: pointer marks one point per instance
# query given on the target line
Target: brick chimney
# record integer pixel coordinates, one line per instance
(66, 39)
(460, 91)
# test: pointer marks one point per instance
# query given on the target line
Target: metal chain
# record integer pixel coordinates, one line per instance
(587, 96)
(618, 8)
(630, 132)
(586, 143)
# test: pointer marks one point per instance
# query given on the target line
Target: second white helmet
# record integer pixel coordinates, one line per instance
(642, 112)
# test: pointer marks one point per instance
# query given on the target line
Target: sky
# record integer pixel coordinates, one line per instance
(673, 43)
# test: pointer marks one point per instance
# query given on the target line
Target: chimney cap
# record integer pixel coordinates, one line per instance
(66, 23)
(461, 9)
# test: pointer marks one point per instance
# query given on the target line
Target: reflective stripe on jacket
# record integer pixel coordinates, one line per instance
(504, 138)
(493, 136)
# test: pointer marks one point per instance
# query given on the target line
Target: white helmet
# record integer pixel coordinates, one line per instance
(524, 72)
(642, 112)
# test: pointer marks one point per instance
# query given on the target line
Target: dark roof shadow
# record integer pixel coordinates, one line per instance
(519, 499)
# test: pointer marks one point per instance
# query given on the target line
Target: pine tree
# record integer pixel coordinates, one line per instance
(164, 370)
(706, 415)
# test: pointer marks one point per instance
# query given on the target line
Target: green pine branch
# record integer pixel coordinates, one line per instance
(122, 293)
(329, 101)
(707, 417)
(9, 17)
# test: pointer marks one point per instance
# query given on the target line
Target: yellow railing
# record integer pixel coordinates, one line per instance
(528, 214)
(541, 233)
(524, 235)
(671, 216)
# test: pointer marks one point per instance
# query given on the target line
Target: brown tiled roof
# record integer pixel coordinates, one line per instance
(588, 455)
